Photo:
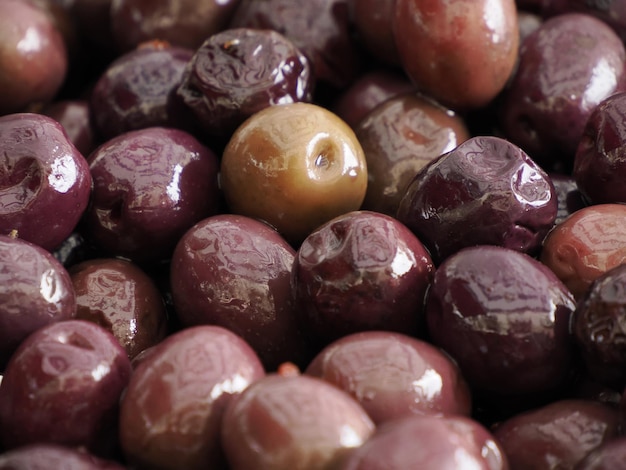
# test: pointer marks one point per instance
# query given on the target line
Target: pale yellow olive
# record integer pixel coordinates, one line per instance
(295, 166)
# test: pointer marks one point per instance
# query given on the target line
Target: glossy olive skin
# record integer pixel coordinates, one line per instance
(557, 435)
(487, 191)
(138, 90)
(430, 443)
(360, 271)
(36, 291)
(63, 386)
(240, 71)
(182, 23)
(599, 159)
(599, 326)
(319, 28)
(568, 66)
(184, 384)
(45, 182)
(568, 196)
(234, 271)
(33, 56)
(459, 52)
(504, 317)
(368, 91)
(75, 117)
(400, 137)
(47, 456)
(295, 166)
(587, 244)
(150, 186)
(292, 423)
(393, 375)
(611, 12)
(121, 297)
(609, 456)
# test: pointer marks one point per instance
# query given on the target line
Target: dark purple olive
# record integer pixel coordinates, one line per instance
(171, 412)
(321, 29)
(568, 66)
(182, 23)
(292, 422)
(373, 20)
(504, 317)
(63, 386)
(36, 291)
(150, 186)
(119, 296)
(240, 71)
(33, 56)
(610, 12)
(487, 191)
(74, 115)
(558, 435)
(429, 443)
(399, 138)
(138, 90)
(368, 91)
(45, 182)
(610, 455)
(568, 196)
(360, 271)
(599, 327)
(53, 456)
(393, 376)
(234, 271)
(600, 160)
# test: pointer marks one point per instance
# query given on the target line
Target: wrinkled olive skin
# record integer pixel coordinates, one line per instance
(150, 186)
(557, 435)
(400, 137)
(568, 196)
(368, 91)
(445, 443)
(599, 326)
(63, 386)
(294, 166)
(587, 244)
(292, 423)
(119, 296)
(321, 29)
(486, 191)
(393, 375)
(138, 90)
(609, 456)
(48, 456)
(45, 182)
(184, 384)
(504, 317)
(360, 271)
(460, 52)
(600, 159)
(235, 271)
(36, 291)
(75, 117)
(182, 23)
(566, 67)
(34, 74)
(240, 71)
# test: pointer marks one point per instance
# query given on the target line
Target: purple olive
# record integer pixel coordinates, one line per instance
(75, 117)
(557, 435)
(393, 375)
(49, 456)
(610, 455)
(567, 66)
(360, 271)
(63, 386)
(234, 271)
(36, 291)
(150, 186)
(429, 442)
(504, 317)
(487, 191)
(45, 182)
(171, 412)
